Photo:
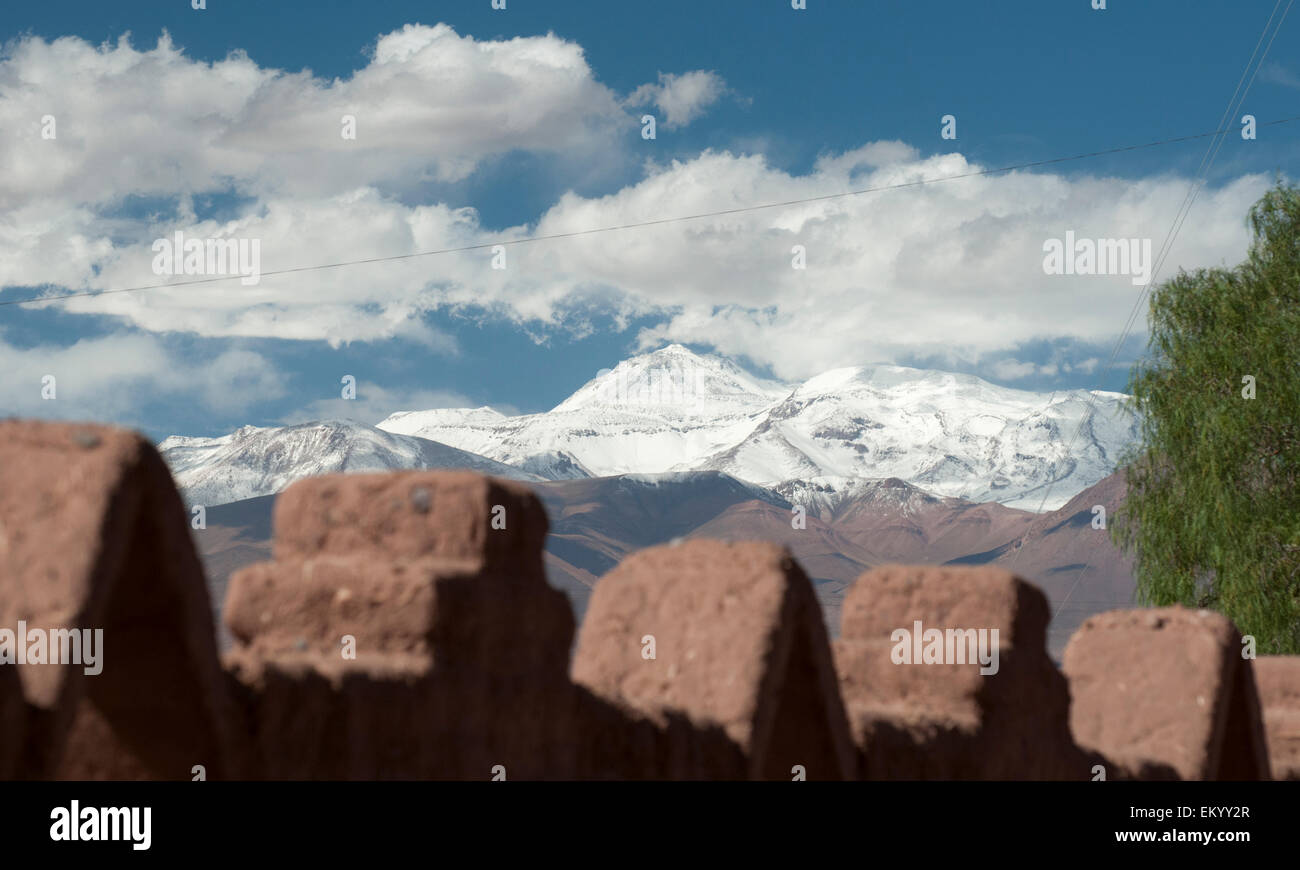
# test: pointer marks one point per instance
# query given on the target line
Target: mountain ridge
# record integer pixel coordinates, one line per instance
(675, 410)
(258, 461)
(819, 443)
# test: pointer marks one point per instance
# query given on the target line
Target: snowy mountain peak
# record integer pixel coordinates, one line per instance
(673, 377)
(672, 410)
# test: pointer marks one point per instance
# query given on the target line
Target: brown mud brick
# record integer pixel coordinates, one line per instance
(484, 676)
(412, 514)
(452, 611)
(398, 583)
(945, 719)
(1166, 690)
(741, 660)
(1278, 681)
(461, 646)
(93, 535)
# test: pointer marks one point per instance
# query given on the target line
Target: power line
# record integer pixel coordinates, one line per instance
(1189, 198)
(648, 223)
(1212, 152)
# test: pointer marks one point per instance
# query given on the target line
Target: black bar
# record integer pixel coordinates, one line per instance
(433, 823)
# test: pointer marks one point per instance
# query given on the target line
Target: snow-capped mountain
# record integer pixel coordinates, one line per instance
(255, 461)
(670, 410)
(949, 434)
(816, 442)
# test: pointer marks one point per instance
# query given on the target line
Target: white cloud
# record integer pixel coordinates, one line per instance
(357, 303)
(429, 104)
(682, 98)
(1013, 370)
(1277, 74)
(1087, 366)
(106, 378)
(873, 155)
(950, 268)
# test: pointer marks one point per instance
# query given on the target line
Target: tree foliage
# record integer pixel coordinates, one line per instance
(1213, 508)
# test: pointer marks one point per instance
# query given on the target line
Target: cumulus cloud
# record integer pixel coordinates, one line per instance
(682, 98)
(429, 104)
(135, 125)
(107, 379)
(949, 270)
(357, 303)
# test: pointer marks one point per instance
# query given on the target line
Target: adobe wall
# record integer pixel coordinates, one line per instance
(404, 629)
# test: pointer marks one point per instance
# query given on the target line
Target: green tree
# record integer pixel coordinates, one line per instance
(1213, 507)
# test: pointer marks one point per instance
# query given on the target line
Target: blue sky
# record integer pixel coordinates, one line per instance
(530, 117)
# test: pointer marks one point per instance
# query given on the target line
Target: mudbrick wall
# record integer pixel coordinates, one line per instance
(404, 629)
